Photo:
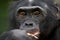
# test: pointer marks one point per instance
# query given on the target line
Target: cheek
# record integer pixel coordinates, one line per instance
(19, 18)
(39, 18)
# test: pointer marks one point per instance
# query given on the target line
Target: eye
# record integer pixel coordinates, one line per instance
(36, 13)
(21, 13)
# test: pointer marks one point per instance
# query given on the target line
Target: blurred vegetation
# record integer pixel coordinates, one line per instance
(4, 15)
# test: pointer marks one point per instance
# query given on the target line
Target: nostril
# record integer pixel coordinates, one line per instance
(30, 24)
(26, 24)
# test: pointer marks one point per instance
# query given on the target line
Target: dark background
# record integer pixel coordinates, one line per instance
(4, 4)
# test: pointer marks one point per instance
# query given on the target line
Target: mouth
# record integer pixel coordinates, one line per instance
(34, 34)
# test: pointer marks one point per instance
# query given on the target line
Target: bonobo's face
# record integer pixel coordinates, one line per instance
(29, 18)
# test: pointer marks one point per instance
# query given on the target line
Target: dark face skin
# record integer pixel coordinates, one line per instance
(30, 19)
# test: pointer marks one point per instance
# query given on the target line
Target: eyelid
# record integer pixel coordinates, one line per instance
(36, 13)
(22, 13)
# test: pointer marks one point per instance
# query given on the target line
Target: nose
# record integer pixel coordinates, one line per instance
(29, 23)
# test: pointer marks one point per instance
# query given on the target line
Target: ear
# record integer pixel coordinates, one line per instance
(58, 11)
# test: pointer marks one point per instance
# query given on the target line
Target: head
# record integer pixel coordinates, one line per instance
(33, 15)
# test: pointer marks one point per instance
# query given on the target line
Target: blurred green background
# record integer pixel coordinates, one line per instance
(4, 14)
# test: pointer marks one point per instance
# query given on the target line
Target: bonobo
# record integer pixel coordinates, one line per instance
(32, 20)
